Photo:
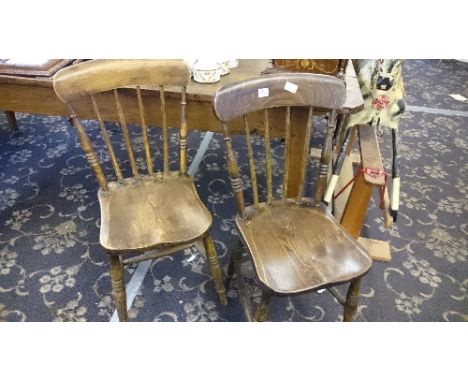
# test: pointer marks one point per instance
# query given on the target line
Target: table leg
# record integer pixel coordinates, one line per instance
(12, 119)
(298, 132)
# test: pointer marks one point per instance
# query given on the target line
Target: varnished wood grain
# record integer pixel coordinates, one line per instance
(355, 212)
(328, 66)
(309, 89)
(118, 286)
(298, 121)
(151, 211)
(296, 248)
(215, 268)
(370, 153)
(92, 77)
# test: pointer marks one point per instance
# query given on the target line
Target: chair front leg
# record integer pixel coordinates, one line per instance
(262, 310)
(118, 286)
(215, 268)
(352, 300)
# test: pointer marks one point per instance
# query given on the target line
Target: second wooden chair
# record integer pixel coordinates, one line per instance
(296, 245)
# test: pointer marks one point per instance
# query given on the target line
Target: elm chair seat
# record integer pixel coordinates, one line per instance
(296, 248)
(158, 211)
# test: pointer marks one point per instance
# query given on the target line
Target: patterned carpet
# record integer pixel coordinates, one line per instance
(53, 269)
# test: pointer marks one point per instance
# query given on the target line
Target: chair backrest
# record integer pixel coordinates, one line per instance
(91, 78)
(286, 90)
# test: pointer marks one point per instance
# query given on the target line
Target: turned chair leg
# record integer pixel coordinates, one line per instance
(215, 268)
(118, 287)
(262, 310)
(352, 300)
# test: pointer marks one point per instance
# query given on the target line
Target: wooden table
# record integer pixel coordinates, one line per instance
(36, 95)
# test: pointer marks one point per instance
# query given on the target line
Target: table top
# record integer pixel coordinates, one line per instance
(248, 68)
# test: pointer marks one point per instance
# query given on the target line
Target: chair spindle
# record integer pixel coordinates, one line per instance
(287, 140)
(165, 133)
(126, 135)
(253, 174)
(233, 170)
(325, 157)
(105, 137)
(144, 131)
(305, 154)
(87, 147)
(183, 132)
(268, 157)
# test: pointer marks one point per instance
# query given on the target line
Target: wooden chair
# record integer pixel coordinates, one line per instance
(296, 245)
(159, 211)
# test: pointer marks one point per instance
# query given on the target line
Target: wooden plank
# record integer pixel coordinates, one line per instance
(355, 211)
(370, 153)
(378, 249)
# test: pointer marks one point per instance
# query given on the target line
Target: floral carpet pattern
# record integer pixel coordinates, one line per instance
(52, 267)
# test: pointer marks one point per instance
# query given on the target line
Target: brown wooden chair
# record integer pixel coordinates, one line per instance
(159, 211)
(296, 245)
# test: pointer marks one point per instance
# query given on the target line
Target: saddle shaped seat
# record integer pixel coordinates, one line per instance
(300, 247)
(150, 211)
